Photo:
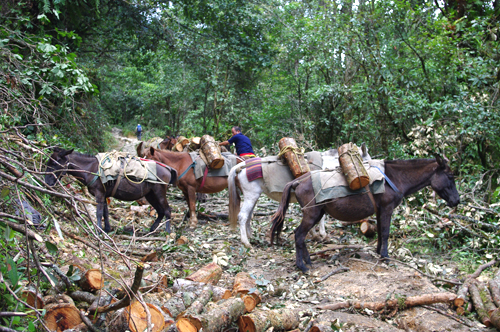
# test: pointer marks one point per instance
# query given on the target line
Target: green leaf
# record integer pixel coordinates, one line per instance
(52, 248)
(31, 327)
(12, 273)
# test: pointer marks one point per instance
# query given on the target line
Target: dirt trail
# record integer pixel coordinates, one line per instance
(124, 143)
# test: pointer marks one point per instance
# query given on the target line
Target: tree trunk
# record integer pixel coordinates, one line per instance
(189, 320)
(134, 318)
(223, 315)
(61, 316)
(261, 321)
(368, 229)
(209, 274)
(91, 280)
(478, 305)
(243, 282)
(196, 287)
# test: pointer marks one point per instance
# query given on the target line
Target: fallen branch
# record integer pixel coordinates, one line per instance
(328, 275)
(126, 300)
(339, 247)
(401, 303)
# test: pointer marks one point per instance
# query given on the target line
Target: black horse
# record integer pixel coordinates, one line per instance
(408, 176)
(85, 168)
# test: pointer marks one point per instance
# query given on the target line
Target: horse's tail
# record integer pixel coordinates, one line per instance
(234, 197)
(278, 218)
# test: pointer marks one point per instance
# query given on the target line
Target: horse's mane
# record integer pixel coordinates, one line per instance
(84, 155)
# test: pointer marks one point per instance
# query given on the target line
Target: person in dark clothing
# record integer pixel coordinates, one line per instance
(139, 132)
(242, 143)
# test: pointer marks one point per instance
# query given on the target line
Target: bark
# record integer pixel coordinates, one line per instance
(83, 296)
(486, 297)
(189, 320)
(401, 303)
(462, 292)
(61, 316)
(91, 280)
(195, 143)
(209, 274)
(196, 287)
(494, 288)
(134, 318)
(293, 156)
(495, 318)
(478, 305)
(223, 315)
(368, 229)
(33, 298)
(338, 247)
(261, 321)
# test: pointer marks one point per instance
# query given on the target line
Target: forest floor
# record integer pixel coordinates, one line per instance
(279, 281)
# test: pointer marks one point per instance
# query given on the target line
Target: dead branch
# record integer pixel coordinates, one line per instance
(328, 275)
(339, 247)
(400, 303)
(126, 300)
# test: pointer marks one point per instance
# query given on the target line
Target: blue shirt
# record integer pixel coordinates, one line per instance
(139, 128)
(242, 143)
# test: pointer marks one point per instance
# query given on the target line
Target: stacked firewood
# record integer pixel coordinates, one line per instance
(191, 304)
(484, 298)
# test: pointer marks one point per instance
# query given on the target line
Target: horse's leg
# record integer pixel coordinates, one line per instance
(383, 227)
(311, 216)
(160, 210)
(322, 229)
(101, 205)
(191, 201)
(251, 193)
(107, 227)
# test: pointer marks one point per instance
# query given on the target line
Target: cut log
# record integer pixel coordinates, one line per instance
(411, 301)
(181, 240)
(183, 285)
(83, 296)
(243, 283)
(134, 318)
(261, 321)
(151, 257)
(368, 229)
(462, 294)
(195, 143)
(321, 327)
(484, 292)
(352, 166)
(478, 305)
(58, 299)
(495, 318)
(61, 316)
(223, 315)
(293, 156)
(33, 298)
(174, 306)
(211, 150)
(209, 274)
(495, 292)
(251, 300)
(91, 280)
(189, 320)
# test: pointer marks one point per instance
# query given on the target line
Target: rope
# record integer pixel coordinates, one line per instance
(297, 152)
(112, 156)
(353, 152)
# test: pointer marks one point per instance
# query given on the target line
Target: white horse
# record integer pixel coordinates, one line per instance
(252, 190)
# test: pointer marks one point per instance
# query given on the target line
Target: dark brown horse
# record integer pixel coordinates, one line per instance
(85, 169)
(408, 176)
(187, 182)
(157, 142)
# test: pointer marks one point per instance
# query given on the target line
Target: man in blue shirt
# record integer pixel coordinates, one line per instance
(138, 131)
(242, 143)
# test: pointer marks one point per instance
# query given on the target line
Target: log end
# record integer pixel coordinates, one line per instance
(63, 316)
(185, 325)
(245, 323)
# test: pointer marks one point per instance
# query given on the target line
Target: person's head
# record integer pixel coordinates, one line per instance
(236, 130)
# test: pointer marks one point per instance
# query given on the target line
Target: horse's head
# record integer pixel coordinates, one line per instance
(443, 182)
(168, 143)
(56, 162)
(140, 149)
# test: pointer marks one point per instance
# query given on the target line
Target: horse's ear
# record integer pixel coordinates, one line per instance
(152, 150)
(363, 148)
(441, 162)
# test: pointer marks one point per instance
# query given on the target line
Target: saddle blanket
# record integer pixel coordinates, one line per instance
(111, 163)
(277, 174)
(254, 169)
(331, 184)
(199, 168)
